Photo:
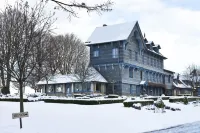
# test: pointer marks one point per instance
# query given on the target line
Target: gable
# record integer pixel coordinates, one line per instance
(136, 38)
(111, 33)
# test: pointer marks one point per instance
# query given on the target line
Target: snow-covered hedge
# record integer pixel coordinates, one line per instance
(182, 99)
(12, 99)
(129, 103)
(112, 96)
(156, 97)
(85, 101)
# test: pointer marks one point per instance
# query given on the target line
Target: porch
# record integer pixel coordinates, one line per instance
(151, 88)
(68, 89)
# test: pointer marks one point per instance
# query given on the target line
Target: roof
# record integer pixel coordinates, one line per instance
(111, 33)
(181, 84)
(156, 53)
(169, 71)
(151, 42)
(94, 75)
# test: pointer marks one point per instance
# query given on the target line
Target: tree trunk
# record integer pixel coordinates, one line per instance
(46, 88)
(2, 75)
(113, 88)
(8, 81)
(21, 100)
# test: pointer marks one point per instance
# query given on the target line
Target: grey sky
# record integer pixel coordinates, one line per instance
(174, 24)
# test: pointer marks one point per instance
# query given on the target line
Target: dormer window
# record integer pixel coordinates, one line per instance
(96, 53)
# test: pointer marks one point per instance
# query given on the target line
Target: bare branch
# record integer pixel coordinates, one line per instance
(70, 7)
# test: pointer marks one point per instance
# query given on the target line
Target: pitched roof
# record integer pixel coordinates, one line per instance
(94, 75)
(111, 33)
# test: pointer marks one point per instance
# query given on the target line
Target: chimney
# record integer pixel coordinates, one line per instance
(104, 25)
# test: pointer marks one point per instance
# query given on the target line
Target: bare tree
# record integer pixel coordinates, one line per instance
(71, 51)
(29, 26)
(85, 73)
(192, 73)
(72, 6)
(6, 37)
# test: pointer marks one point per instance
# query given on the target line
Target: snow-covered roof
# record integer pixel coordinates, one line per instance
(156, 53)
(180, 84)
(111, 33)
(93, 75)
(149, 42)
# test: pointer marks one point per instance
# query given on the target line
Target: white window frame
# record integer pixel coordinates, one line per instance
(115, 53)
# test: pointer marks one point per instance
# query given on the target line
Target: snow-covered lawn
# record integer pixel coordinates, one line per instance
(109, 118)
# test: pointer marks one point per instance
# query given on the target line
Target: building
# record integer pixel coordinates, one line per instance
(181, 86)
(198, 90)
(130, 63)
(65, 85)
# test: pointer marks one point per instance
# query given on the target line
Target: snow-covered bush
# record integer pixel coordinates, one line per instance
(84, 101)
(112, 96)
(129, 103)
(12, 99)
(84, 97)
(163, 95)
(159, 103)
(167, 107)
(137, 106)
(185, 100)
(78, 95)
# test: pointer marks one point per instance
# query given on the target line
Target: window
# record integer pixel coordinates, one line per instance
(143, 59)
(115, 52)
(146, 75)
(50, 89)
(77, 87)
(96, 53)
(151, 61)
(125, 45)
(130, 54)
(169, 78)
(148, 60)
(141, 75)
(155, 63)
(161, 64)
(136, 56)
(59, 88)
(130, 72)
(163, 79)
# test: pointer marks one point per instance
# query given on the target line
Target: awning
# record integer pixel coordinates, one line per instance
(144, 83)
(157, 85)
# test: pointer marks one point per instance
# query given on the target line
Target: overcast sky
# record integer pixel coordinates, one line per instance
(174, 24)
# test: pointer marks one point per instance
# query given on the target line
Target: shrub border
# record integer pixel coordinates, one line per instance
(143, 103)
(12, 100)
(84, 101)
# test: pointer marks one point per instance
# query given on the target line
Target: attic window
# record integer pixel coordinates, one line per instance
(96, 53)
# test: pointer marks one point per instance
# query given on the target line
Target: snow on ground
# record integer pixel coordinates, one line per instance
(62, 118)
(185, 128)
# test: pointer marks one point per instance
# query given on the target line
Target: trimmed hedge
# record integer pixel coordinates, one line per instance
(181, 99)
(84, 101)
(143, 103)
(112, 96)
(155, 98)
(13, 99)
